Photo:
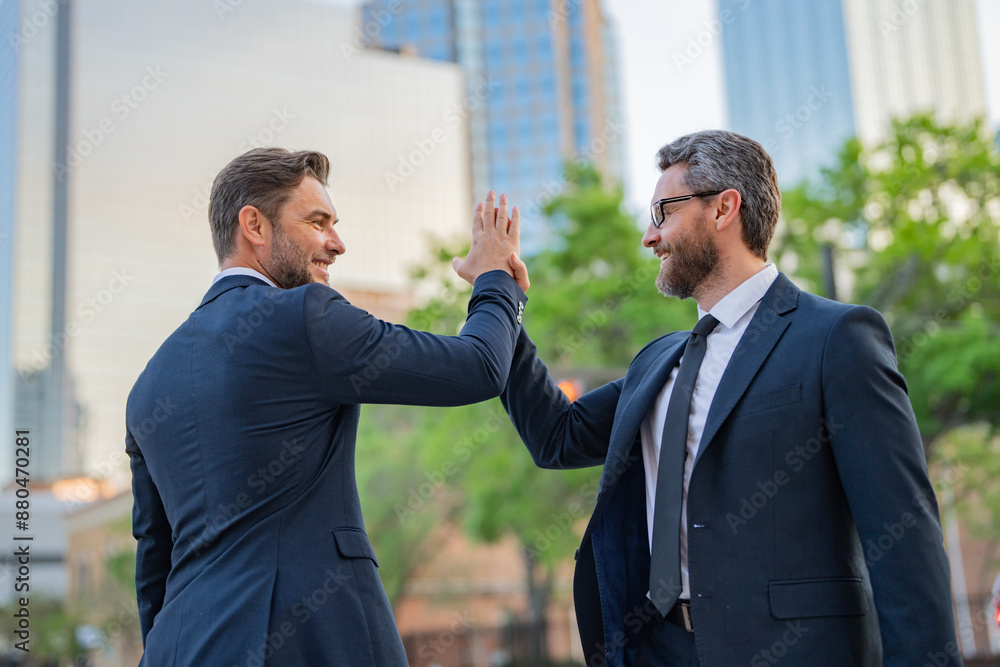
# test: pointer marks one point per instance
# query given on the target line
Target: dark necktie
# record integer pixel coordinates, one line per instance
(665, 565)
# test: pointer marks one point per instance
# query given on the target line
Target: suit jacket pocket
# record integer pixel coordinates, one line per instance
(353, 543)
(771, 399)
(811, 598)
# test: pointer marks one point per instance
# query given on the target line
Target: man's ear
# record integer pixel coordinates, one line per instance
(254, 226)
(727, 208)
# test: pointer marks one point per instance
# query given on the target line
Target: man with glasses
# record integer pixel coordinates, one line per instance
(764, 497)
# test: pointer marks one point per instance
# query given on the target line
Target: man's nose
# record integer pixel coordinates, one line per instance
(334, 244)
(651, 237)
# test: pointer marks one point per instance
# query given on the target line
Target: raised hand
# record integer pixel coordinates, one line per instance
(495, 243)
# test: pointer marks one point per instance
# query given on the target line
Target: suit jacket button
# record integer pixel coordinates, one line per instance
(576, 554)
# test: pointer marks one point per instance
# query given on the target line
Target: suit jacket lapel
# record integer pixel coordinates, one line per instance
(641, 401)
(763, 333)
(637, 406)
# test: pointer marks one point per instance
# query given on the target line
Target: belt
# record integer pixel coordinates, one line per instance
(680, 615)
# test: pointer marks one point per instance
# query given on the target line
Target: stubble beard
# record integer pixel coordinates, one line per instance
(691, 265)
(289, 264)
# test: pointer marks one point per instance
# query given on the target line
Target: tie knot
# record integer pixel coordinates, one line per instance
(705, 326)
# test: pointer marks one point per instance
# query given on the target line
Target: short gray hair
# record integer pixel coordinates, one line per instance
(719, 160)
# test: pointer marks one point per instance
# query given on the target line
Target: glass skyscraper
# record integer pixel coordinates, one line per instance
(787, 81)
(541, 83)
(802, 77)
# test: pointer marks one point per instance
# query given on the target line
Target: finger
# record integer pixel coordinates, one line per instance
(477, 219)
(520, 271)
(514, 228)
(502, 217)
(458, 264)
(489, 215)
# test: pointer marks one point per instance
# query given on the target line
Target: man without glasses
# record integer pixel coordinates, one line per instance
(777, 396)
(251, 545)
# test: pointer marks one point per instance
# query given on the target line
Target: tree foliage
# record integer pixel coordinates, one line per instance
(915, 223)
(592, 306)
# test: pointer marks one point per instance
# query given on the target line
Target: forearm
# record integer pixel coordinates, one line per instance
(154, 543)
(557, 433)
(361, 359)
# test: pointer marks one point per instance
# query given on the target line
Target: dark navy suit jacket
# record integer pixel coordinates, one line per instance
(241, 433)
(813, 531)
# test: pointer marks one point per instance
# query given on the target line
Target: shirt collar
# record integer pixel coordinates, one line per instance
(242, 271)
(732, 307)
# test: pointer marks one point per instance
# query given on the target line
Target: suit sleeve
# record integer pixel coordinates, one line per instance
(880, 458)
(152, 533)
(558, 434)
(361, 359)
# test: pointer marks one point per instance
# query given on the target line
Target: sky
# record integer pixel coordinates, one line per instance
(663, 101)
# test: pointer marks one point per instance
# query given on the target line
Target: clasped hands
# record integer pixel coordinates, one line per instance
(496, 243)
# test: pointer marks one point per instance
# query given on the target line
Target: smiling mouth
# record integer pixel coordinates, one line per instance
(322, 264)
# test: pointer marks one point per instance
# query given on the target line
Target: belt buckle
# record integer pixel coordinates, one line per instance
(686, 613)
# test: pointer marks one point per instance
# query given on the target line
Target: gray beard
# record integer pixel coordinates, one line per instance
(691, 264)
(290, 266)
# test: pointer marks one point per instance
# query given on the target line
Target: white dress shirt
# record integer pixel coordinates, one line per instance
(242, 271)
(734, 313)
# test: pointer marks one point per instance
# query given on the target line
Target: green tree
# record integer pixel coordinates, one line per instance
(916, 219)
(52, 631)
(593, 304)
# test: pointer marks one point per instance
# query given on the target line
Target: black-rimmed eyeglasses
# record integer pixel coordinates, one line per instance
(656, 214)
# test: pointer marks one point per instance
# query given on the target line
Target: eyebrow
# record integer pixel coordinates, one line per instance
(321, 213)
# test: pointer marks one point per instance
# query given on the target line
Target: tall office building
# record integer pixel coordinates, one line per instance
(541, 87)
(802, 77)
(9, 19)
(124, 114)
